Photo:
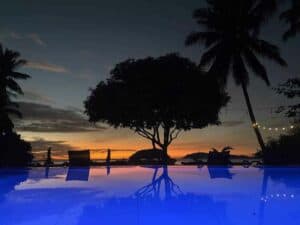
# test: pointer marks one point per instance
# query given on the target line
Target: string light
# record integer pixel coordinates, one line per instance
(277, 196)
(276, 129)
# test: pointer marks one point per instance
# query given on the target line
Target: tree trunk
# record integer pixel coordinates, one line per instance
(166, 144)
(252, 117)
(153, 144)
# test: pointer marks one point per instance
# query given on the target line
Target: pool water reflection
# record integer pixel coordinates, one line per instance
(150, 195)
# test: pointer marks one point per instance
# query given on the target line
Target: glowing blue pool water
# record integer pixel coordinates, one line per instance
(140, 195)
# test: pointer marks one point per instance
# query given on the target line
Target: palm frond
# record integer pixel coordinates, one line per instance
(227, 148)
(266, 49)
(14, 86)
(18, 75)
(291, 32)
(239, 70)
(12, 111)
(202, 13)
(208, 38)
(255, 65)
(291, 17)
(210, 54)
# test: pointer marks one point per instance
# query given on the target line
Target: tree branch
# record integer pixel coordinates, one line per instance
(174, 134)
(153, 137)
(157, 133)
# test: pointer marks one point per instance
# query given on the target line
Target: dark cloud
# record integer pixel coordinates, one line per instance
(34, 96)
(45, 118)
(59, 148)
(40, 144)
(232, 123)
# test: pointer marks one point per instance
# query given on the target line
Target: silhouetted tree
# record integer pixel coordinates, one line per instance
(9, 64)
(229, 33)
(292, 17)
(157, 98)
(14, 151)
(290, 89)
(284, 150)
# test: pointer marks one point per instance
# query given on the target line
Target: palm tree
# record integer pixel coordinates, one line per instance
(231, 39)
(292, 17)
(9, 63)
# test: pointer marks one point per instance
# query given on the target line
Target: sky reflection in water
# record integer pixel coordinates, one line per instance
(140, 195)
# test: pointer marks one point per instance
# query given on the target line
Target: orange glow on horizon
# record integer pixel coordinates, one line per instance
(124, 143)
(124, 152)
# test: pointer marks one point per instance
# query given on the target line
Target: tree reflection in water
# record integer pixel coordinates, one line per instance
(154, 188)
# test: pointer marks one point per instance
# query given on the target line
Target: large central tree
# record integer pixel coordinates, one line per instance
(157, 98)
(230, 34)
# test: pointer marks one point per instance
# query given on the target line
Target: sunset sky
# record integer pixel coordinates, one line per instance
(71, 45)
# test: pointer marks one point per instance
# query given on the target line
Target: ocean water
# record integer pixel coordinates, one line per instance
(150, 195)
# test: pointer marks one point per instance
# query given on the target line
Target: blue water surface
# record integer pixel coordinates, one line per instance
(150, 195)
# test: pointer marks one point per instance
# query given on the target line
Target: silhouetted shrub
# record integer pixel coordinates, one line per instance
(14, 151)
(149, 157)
(284, 150)
(216, 157)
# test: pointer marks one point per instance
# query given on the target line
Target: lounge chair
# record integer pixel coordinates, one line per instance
(79, 158)
(79, 174)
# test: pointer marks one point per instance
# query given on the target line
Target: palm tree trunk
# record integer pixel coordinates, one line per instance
(252, 117)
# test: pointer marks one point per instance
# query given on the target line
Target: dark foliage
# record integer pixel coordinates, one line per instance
(292, 17)
(9, 88)
(149, 157)
(222, 157)
(196, 156)
(290, 89)
(284, 150)
(14, 151)
(168, 94)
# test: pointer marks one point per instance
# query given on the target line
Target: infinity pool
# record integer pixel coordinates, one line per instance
(150, 195)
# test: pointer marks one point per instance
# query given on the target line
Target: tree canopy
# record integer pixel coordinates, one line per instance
(290, 89)
(9, 64)
(292, 17)
(14, 150)
(168, 93)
